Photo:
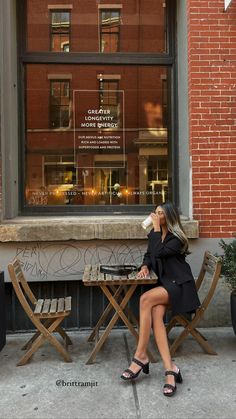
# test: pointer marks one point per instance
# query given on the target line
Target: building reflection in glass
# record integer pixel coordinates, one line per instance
(109, 147)
(97, 26)
(96, 134)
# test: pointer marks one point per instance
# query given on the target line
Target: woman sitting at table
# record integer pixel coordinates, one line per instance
(167, 248)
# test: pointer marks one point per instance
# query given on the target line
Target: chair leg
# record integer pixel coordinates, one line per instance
(28, 344)
(203, 342)
(59, 348)
(35, 346)
(60, 330)
(178, 341)
(64, 335)
(47, 335)
(197, 336)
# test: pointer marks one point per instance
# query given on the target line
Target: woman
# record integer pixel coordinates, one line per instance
(167, 248)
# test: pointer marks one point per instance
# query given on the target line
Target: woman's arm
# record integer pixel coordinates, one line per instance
(147, 258)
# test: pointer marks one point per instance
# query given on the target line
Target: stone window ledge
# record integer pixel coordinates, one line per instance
(61, 228)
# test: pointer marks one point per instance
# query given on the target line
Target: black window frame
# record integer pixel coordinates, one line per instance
(167, 59)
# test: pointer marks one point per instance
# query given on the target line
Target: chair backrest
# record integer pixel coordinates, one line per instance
(211, 265)
(21, 286)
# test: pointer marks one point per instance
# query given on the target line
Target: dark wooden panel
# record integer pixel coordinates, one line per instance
(2, 311)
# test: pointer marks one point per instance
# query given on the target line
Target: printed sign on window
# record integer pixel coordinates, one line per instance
(99, 132)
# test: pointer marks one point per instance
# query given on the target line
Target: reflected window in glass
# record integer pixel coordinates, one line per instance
(109, 30)
(109, 99)
(60, 31)
(60, 104)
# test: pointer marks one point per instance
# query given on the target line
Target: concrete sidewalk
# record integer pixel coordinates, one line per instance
(47, 387)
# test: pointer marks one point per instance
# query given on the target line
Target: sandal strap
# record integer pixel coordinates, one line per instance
(169, 386)
(172, 373)
(131, 373)
(138, 362)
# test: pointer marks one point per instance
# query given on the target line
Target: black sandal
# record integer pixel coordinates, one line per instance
(178, 379)
(132, 375)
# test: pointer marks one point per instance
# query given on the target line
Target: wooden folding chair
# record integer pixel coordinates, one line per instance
(46, 315)
(211, 266)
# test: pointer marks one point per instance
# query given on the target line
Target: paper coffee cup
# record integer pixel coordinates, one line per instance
(147, 222)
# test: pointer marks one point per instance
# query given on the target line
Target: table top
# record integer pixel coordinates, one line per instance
(93, 276)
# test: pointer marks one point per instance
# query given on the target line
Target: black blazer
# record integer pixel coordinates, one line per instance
(166, 258)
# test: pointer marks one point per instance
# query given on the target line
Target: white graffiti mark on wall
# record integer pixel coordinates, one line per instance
(53, 261)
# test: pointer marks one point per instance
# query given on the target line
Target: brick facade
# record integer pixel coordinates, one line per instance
(212, 114)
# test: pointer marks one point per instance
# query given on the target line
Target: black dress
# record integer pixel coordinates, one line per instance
(174, 273)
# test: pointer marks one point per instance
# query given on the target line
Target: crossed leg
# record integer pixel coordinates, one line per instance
(148, 300)
(152, 309)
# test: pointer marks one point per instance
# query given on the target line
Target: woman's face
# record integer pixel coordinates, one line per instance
(159, 211)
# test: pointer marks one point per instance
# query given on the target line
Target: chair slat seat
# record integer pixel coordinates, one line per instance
(52, 308)
(46, 306)
(68, 304)
(38, 306)
(61, 305)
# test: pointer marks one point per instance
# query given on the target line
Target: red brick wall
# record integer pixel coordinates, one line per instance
(212, 114)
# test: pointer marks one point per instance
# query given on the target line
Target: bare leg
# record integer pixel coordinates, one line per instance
(148, 300)
(162, 342)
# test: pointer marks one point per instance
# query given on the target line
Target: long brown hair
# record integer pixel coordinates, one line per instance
(174, 224)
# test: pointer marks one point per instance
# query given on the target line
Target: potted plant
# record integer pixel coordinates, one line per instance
(229, 273)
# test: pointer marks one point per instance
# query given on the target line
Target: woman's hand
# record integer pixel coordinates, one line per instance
(143, 272)
(156, 221)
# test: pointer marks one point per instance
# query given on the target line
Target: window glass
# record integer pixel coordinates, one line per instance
(109, 99)
(97, 26)
(97, 138)
(59, 104)
(60, 31)
(109, 30)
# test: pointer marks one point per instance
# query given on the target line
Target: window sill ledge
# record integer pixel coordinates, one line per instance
(30, 229)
